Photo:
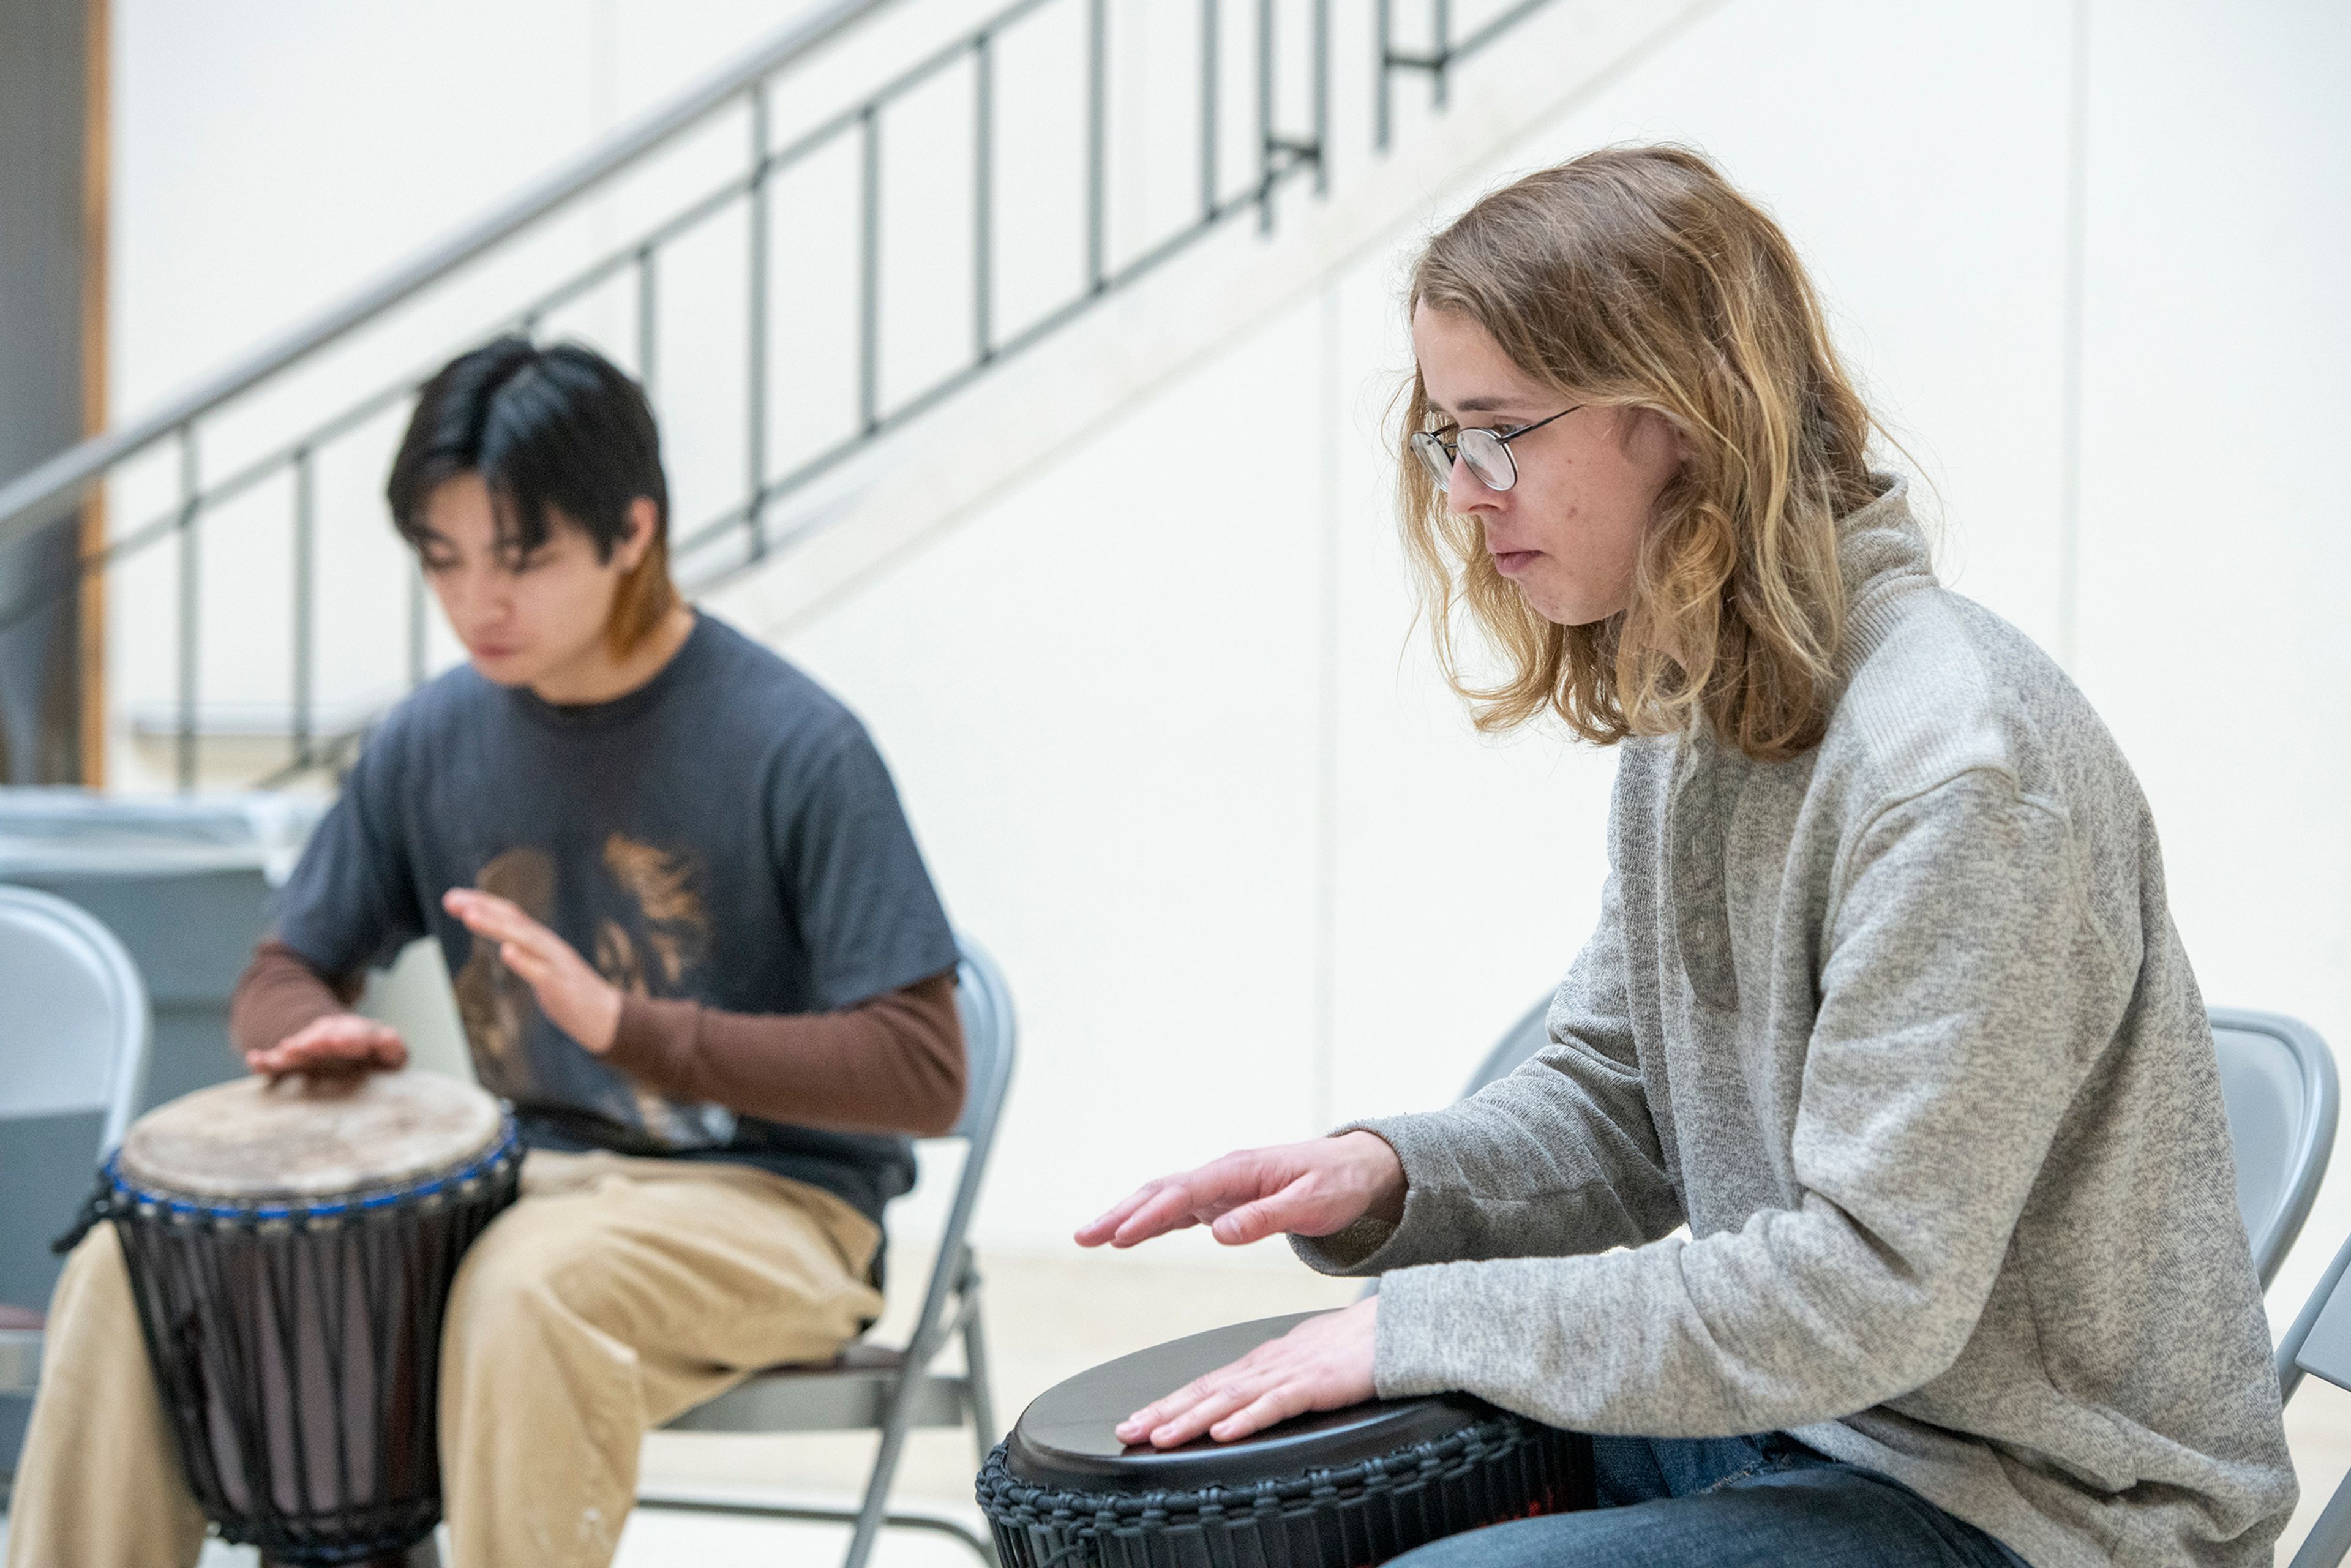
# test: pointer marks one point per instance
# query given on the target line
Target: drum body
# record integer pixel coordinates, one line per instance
(1334, 1490)
(290, 1247)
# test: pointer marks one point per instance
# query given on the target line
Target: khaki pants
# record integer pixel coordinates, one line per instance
(615, 1294)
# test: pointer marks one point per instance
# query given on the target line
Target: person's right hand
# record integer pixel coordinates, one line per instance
(340, 1042)
(1306, 1189)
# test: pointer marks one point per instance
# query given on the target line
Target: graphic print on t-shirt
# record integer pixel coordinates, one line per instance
(650, 929)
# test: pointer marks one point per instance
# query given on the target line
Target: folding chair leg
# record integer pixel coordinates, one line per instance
(2330, 1538)
(975, 1382)
(885, 1469)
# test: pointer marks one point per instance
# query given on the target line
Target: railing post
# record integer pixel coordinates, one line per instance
(1265, 116)
(868, 314)
(1442, 54)
(755, 455)
(1321, 98)
(645, 301)
(415, 622)
(305, 604)
(1097, 147)
(1208, 110)
(982, 214)
(191, 503)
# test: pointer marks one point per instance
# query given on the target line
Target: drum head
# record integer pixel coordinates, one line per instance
(307, 1136)
(1068, 1438)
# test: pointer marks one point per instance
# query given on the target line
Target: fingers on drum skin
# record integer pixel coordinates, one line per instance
(1268, 1409)
(1212, 1413)
(1160, 1411)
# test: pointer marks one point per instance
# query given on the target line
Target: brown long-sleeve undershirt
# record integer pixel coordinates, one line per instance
(892, 1064)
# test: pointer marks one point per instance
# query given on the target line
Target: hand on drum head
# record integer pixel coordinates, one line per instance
(340, 1042)
(1306, 1189)
(1323, 1363)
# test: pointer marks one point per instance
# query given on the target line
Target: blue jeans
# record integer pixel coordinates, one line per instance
(1728, 1502)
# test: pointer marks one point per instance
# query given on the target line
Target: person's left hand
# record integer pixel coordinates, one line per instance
(575, 998)
(1323, 1363)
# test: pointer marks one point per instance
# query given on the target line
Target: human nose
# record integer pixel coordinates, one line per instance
(473, 598)
(1465, 493)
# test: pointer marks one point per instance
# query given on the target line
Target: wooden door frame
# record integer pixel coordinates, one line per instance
(96, 192)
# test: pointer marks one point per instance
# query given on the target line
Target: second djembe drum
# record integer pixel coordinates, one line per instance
(291, 1245)
(1337, 1488)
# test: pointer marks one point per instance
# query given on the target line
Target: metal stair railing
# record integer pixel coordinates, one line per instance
(1291, 142)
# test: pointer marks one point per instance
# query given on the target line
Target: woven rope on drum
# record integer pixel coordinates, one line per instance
(1340, 1518)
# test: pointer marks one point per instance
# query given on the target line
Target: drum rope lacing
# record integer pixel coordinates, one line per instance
(1040, 1526)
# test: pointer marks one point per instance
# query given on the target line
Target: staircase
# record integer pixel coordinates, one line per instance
(829, 294)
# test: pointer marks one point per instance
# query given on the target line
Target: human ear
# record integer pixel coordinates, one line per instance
(644, 520)
(1652, 440)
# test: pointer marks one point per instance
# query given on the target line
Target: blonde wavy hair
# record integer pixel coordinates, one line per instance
(1637, 278)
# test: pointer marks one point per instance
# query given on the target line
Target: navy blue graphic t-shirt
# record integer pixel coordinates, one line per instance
(725, 833)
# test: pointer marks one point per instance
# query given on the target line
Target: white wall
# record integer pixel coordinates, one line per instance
(1155, 711)
(1126, 700)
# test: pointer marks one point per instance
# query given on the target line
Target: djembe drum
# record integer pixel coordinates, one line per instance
(291, 1245)
(1338, 1488)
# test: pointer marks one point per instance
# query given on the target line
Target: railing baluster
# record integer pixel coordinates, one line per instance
(1265, 116)
(756, 398)
(869, 315)
(1208, 110)
(1097, 146)
(1321, 98)
(1443, 53)
(983, 216)
(1383, 70)
(646, 299)
(305, 603)
(415, 623)
(191, 502)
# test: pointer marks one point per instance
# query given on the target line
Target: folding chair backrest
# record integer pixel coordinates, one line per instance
(1526, 1037)
(985, 1003)
(986, 1006)
(2279, 1082)
(73, 1014)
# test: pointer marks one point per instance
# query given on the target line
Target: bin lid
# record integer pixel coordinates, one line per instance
(56, 833)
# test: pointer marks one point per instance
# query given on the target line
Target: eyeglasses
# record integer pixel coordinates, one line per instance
(1487, 452)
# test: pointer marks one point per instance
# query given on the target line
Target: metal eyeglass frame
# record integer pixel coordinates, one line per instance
(1436, 453)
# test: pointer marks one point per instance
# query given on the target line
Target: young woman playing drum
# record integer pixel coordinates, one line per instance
(694, 945)
(1884, 1004)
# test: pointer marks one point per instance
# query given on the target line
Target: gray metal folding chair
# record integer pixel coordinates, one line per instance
(870, 1387)
(73, 1040)
(2278, 1078)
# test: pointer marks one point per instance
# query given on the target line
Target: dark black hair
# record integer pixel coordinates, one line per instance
(559, 427)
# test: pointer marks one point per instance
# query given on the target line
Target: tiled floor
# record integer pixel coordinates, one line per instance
(1052, 1316)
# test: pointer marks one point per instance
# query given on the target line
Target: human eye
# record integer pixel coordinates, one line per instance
(435, 565)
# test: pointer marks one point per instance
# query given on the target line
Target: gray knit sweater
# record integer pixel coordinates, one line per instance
(1902, 1030)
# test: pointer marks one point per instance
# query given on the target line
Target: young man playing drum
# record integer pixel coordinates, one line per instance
(1885, 1003)
(693, 943)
